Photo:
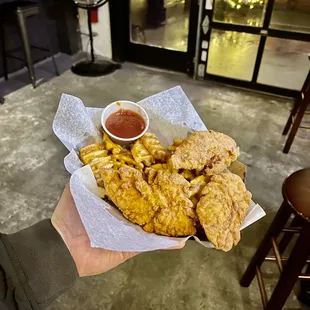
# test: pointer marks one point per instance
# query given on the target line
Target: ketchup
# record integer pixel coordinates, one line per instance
(125, 124)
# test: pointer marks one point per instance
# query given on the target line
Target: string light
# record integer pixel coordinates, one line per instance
(251, 4)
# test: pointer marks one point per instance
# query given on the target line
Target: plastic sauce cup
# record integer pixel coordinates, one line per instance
(124, 105)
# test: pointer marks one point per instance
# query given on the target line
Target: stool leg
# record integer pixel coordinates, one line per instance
(3, 52)
(274, 230)
(290, 119)
(291, 271)
(301, 111)
(27, 48)
(287, 237)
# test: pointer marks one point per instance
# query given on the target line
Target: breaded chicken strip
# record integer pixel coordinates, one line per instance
(175, 214)
(127, 189)
(222, 208)
(162, 207)
(208, 150)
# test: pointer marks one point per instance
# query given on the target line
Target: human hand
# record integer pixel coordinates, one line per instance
(89, 261)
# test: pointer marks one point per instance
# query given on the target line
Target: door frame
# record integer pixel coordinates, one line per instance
(124, 50)
(264, 32)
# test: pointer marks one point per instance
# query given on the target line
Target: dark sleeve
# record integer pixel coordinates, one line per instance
(35, 267)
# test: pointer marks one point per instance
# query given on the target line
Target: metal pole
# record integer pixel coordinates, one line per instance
(91, 38)
(197, 49)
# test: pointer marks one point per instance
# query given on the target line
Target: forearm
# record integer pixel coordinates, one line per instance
(35, 267)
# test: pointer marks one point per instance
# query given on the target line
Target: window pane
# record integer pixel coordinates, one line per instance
(285, 63)
(291, 15)
(232, 54)
(160, 23)
(240, 12)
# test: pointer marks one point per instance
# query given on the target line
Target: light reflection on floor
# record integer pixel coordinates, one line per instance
(285, 62)
(232, 54)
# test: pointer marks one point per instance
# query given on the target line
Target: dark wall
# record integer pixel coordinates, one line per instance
(60, 18)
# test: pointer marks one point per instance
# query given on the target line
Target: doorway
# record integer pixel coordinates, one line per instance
(257, 44)
(159, 33)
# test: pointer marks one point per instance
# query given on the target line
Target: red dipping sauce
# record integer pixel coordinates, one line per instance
(125, 124)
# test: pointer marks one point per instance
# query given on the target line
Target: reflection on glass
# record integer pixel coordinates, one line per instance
(160, 23)
(291, 15)
(285, 63)
(232, 54)
(240, 12)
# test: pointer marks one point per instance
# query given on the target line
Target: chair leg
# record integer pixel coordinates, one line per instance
(300, 114)
(274, 230)
(27, 47)
(291, 271)
(290, 119)
(3, 52)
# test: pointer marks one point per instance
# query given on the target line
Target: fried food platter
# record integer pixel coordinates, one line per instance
(189, 188)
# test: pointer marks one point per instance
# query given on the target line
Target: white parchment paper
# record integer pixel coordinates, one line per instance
(171, 116)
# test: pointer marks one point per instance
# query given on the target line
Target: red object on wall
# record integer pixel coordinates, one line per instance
(94, 16)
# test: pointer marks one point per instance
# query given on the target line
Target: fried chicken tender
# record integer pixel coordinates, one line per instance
(208, 150)
(154, 146)
(163, 207)
(175, 214)
(222, 208)
(127, 189)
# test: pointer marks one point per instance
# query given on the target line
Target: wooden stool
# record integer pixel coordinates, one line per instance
(297, 114)
(22, 10)
(296, 194)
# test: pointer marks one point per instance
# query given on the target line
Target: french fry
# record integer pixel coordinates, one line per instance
(177, 142)
(90, 148)
(188, 174)
(111, 146)
(159, 167)
(171, 148)
(154, 146)
(99, 162)
(170, 167)
(102, 192)
(92, 155)
(128, 160)
(196, 185)
(141, 154)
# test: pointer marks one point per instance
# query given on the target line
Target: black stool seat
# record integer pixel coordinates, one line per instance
(10, 8)
(22, 10)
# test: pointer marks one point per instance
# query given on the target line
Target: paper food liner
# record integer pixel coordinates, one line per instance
(171, 116)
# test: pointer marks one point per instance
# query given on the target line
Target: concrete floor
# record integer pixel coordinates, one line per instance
(32, 177)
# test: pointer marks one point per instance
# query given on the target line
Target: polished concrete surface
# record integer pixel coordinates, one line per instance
(32, 177)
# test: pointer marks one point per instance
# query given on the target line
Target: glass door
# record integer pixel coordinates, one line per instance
(163, 24)
(162, 33)
(285, 60)
(256, 43)
(159, 33)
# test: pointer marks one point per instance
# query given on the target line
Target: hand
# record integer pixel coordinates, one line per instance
(89, 261)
